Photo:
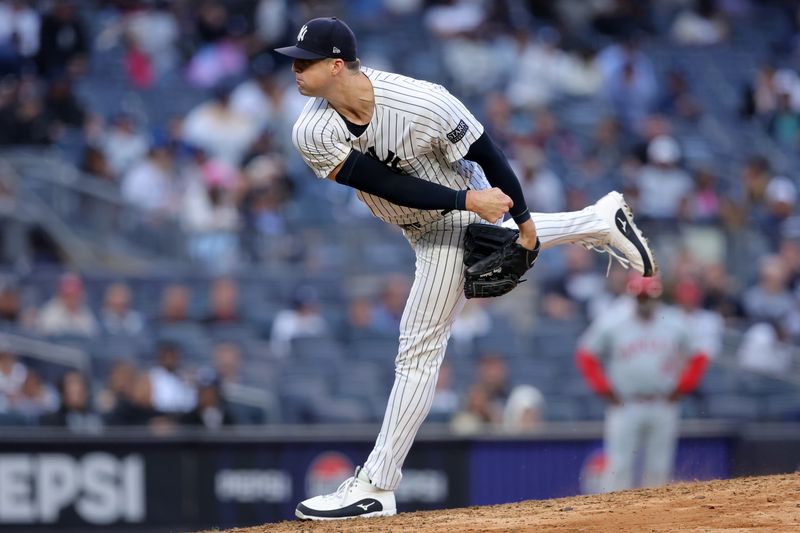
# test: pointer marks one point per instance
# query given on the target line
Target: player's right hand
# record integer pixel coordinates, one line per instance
(612, 398)
(489, 204)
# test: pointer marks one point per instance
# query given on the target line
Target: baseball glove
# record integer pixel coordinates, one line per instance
(494, 261)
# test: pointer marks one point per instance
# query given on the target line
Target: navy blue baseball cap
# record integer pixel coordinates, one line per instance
(323, 38)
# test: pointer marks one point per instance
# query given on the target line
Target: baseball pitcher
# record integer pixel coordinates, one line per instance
(419, 159)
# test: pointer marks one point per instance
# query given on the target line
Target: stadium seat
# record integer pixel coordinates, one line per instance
(732, 407)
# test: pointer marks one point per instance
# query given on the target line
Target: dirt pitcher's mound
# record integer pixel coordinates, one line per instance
(770, 503)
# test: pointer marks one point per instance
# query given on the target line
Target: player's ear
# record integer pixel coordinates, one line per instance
(337, 65)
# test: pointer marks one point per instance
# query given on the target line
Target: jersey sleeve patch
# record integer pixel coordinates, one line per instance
(458, 133)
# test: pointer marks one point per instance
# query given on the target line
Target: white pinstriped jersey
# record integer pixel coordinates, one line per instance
(417, 128)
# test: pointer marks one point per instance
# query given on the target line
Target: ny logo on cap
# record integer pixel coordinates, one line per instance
(302, 33)
(336, 50)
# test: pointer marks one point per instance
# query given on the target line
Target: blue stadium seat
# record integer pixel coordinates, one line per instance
(378, 349)
(316, 350)
(732, 407)
(781, 407)
(562, 408)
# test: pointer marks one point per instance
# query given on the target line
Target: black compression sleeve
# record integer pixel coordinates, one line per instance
(371, 176)
(495, 165)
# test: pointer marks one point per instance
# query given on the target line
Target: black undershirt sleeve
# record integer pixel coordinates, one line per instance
(495, 165)
(371, 176)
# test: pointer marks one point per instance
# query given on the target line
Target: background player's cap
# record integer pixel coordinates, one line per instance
(640, 286)
(322, 38)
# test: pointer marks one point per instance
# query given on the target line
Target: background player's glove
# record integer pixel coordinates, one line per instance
(494, 261)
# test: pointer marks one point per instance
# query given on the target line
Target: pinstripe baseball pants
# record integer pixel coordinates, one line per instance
(437, 295)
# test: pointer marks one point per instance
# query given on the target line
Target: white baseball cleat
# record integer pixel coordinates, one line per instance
(356, 497)
(623, 236)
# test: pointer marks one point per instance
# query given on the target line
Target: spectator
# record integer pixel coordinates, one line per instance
(476, 413)
(224, 302)
(577, 283)
(272, 22)
(721, 294)
(75, 412)
(35, 398)
(498, 122)
(67, 313)
(746, 204)
(493, 379)
(781, 198)
(10, 306)
(784, 123)
(664, 187)
(770, 299)
(211, 21)
(210, 216)
(542, 188)
(539, 64)
(219, 129)
(702, 25)
(211, 411)
(117, 317)
(19, 35)
(171, 392)
(62, 105)
(629, 82)
(678, 100)
(523, 411)
(386, 314)
(175, 300)
(445, 398)
(580, 73)
(766, 347)
(471, 323)
(93, 162)
(138, 65)
(118, 389)
(135, 408)
(122, 144)
(256, 97)
(12, 377)
(153, 29)
(613, 298)
(703, 204)
(761, 97)
(302, 320)
(228, 363)
(359, 318)
(24, 121)
(705, 327)
(64, 42)
(148, 185)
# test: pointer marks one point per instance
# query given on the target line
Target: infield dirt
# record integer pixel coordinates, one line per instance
(769, 503)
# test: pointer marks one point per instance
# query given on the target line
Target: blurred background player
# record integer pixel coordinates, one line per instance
(640, 360)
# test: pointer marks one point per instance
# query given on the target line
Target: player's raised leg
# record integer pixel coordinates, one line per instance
(606, 226)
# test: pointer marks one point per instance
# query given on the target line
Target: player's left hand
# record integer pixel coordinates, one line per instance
(495, 261)
(527, 235)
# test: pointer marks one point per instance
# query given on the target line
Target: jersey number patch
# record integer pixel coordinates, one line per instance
(458, 133)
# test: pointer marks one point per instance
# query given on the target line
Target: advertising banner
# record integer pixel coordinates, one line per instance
(180, 483)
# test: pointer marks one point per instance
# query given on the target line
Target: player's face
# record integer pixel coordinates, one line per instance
(311, 75)
(646, 305)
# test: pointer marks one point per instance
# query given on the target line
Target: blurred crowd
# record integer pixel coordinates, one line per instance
(572, 91)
